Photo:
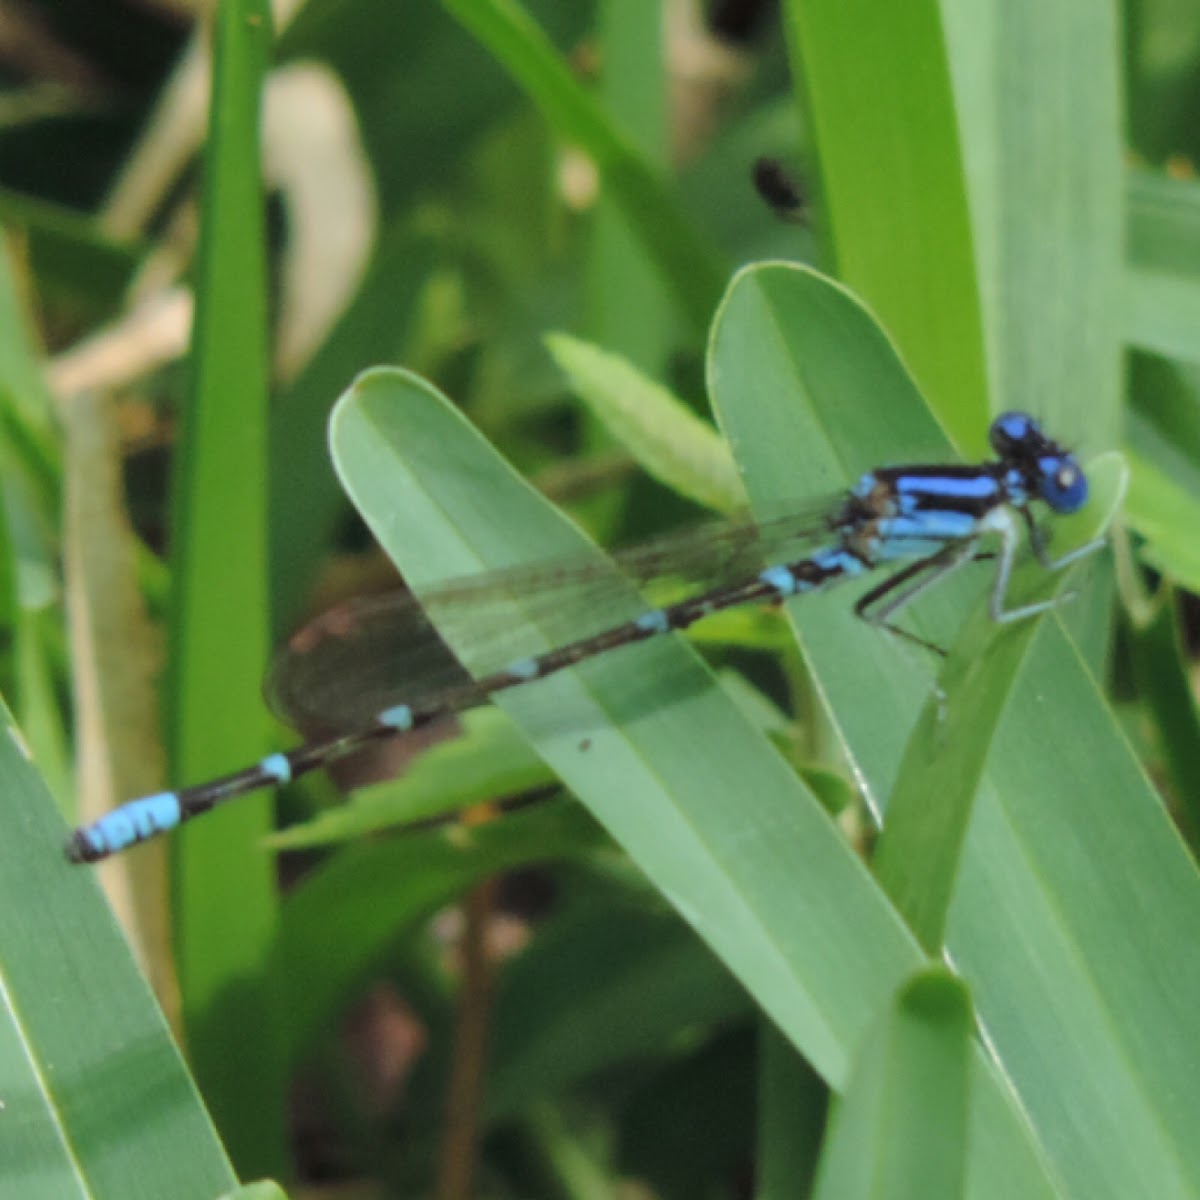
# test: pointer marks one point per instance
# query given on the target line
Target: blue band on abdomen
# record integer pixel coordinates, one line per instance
(654, 621)
(134, 822)
(779, 578)
(399, 717)
(277, 767)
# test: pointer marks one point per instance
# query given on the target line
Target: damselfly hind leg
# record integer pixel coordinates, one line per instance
(882, 603)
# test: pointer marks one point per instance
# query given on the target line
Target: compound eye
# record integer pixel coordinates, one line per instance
(1064, 485)
(1012, 430)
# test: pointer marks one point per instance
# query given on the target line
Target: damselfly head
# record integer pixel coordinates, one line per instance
(1049, 471)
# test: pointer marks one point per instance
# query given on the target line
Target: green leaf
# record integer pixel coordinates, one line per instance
(631, 41)
(878, 93)
(1162, 314)
(97, 1103)
(1164, 223)
(1164, 511)
(813, 394)
(1040, 927)
(665, 436)
(438, 499)
(1037, 97)
(900, 1130)
(730, 836)
(262, 1190)
(1162, 285)
(220, 617)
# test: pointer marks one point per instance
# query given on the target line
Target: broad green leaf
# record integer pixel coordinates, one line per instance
(812, 393)
(1066, 826)
(729, 835)
(900, 1130)
(441, 502)
(1037, 97)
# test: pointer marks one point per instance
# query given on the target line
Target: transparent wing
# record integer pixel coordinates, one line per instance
(358, 657)
(372, 652)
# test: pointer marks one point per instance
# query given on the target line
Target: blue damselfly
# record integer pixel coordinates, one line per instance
(925, 521)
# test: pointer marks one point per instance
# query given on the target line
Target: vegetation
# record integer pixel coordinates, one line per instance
(634, 932)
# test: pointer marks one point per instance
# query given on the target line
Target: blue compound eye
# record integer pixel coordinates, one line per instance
(1064, 485)
(1012, 430)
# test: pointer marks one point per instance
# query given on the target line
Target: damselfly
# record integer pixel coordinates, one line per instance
(930, 519)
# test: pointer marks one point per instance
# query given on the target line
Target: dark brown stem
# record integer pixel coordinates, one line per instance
(460, 1140)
